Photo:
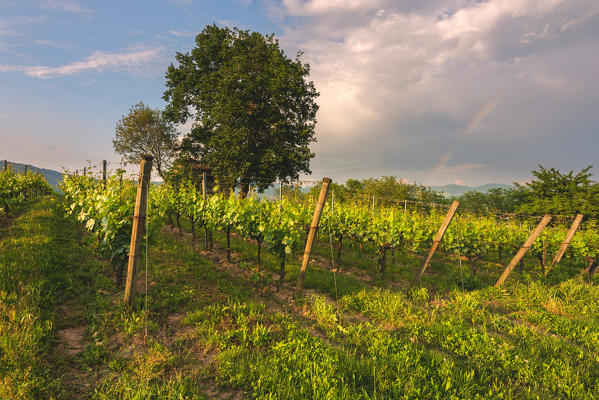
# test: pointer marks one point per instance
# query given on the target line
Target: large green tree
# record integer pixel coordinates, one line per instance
(252, 109)
(145, 131)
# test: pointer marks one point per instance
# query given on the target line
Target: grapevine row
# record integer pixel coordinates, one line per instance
(281, 226)
(16, 188)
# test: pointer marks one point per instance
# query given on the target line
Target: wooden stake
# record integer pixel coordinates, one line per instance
(104, 171)
(565, 243)
(139, 218)
(544, 256)
(520, 254)
(313, 227)
(437, 240)
(5, 165)
(84, 171)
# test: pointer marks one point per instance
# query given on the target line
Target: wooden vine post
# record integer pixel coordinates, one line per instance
(313, 227)
(565, 243)
(139, 218)
(437, 240)
(5, 165)
(523, 250)
(104, 172)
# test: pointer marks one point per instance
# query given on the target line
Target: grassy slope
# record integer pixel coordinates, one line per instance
(43, 265)
(220, 330)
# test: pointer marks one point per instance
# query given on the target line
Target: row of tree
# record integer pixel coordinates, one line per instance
(251, 109)
(549, 191)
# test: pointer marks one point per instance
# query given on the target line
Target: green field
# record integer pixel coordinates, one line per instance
(218, 329)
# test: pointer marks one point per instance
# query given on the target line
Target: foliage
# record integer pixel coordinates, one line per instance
(494, 201)
(252, 108)
(107, 211)
(16, 188)
(387, 191)
(567, 194)
(145, 131)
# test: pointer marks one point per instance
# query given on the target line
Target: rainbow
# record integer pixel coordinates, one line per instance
(476, 120)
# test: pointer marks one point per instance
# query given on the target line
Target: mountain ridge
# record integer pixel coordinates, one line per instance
(452, 189)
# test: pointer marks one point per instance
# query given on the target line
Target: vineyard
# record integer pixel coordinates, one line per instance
(216, 317)
(282, 226)
(15, 189)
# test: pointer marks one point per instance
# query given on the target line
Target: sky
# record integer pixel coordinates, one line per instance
(437, 91)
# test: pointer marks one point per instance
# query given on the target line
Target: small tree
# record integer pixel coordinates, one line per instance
(145, 131)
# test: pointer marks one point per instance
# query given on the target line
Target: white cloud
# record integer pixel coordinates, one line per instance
(180, 33)
(66, 5)
(402, 80)
(182, 3)
(131, 61)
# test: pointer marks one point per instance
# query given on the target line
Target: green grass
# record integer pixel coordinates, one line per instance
(385, 339)
(214, 329)
(42, 265)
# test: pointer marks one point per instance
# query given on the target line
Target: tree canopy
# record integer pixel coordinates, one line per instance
(551, 191)
(145, 131)
(387, 191)
(252, 110)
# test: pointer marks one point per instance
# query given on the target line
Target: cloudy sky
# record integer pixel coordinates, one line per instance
(436, 91)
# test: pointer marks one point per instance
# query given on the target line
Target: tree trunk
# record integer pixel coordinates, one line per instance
(229, 244)
(170, 221)
(474, 263)
(592, 271)
(542, 263)
(382, 258)
(119, 274)
(259, 249)
(281, 272)
(521, 268)
(179, 223)
(244, 188)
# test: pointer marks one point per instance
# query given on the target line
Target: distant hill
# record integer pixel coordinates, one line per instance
(53, 177)
(458, 190)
